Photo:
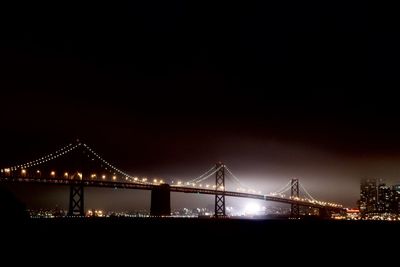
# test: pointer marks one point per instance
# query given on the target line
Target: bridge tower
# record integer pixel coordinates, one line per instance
(76, 198)
(220, 185)
(294, 193)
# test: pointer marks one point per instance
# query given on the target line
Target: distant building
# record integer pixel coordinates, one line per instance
(368, 195)
(377, 197)
(386, 201)
(396, 196)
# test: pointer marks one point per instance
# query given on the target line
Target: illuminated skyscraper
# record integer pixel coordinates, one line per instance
(377, 197)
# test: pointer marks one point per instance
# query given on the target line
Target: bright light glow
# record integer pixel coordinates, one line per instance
(53, 173)
(23, 171)
(252, 209)
(103, 177)
(66, 174)
(114, 177)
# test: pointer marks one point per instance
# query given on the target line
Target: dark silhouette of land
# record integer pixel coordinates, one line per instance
(11, 209)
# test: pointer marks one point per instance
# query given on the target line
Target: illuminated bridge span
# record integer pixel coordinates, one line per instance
(80, 174)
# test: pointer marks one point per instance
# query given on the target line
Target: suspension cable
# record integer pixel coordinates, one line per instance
(106, 162)
(58, 153)
(305, 190)
(206, 177)
(236, 178)
(282, 189)
(201, 176)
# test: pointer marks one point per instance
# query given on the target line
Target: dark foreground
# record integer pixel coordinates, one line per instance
(163, 230)
(188, 240)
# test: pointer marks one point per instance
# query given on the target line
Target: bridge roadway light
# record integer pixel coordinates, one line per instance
(66, 175)
(23, 172)
(114, 178)
(103, 177)
(53, 173)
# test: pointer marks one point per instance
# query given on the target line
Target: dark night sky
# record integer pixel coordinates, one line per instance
(167, 88)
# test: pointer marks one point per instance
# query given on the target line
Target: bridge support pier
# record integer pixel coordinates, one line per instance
(161, 201)
(76, 201)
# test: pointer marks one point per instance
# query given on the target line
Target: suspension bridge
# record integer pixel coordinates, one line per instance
(58, 169)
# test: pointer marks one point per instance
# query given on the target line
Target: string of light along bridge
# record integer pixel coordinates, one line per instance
(117, 175)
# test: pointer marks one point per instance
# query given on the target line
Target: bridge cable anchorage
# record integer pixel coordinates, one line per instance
(237, 179)
(201, 176)
(49, 157)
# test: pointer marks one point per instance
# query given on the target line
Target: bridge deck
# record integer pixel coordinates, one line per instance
(144, 186)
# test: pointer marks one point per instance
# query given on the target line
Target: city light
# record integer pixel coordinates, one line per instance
(252, 208)
(302, 197)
